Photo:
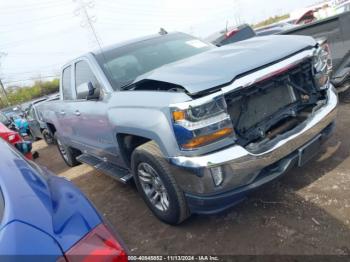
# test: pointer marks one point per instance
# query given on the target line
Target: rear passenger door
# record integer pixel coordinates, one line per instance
(94, 131)
(33, 123)
(64, 111)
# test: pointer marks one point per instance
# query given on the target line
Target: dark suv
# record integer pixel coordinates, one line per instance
(231, 35)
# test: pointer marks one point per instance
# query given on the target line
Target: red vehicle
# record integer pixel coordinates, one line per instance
(15, 139)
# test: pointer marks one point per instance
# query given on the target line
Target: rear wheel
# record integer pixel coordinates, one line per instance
(156, 184)
(68, 154)
(344, 97)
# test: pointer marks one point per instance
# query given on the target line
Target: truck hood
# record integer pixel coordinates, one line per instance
(219, 66)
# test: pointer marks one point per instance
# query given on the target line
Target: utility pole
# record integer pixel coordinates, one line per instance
(87, 19)
(3, 91)
(237, 12)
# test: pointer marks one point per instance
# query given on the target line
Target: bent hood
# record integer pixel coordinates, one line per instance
(219, 66)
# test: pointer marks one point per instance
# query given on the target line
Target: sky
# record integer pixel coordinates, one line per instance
(37, 37)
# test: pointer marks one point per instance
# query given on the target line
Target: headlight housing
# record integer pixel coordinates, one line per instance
(322, 64)
(197, 125)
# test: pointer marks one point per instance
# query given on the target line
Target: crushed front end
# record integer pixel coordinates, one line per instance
(275, 117)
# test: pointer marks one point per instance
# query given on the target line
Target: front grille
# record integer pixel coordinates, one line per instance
(273, 106)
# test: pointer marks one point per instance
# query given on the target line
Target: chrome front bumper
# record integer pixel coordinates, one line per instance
(240, 166)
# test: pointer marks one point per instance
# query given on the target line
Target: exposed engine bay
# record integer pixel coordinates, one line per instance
(274, 106)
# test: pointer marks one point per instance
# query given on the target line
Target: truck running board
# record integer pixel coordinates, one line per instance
(107, 168)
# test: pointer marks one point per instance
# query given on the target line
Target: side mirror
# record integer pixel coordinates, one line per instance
(88, 91)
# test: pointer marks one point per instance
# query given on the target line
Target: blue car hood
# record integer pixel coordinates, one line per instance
(43, 201)
(219, 66)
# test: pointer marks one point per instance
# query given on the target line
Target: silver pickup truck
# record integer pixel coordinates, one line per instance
(196, 127)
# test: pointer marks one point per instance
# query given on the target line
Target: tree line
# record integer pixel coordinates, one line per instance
(271, 20)
(18, 95)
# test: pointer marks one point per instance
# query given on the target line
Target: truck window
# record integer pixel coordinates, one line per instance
(84, 74)
(66, 84)
(31, 114)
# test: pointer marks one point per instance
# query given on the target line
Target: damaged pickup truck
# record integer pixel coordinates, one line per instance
(196, 127)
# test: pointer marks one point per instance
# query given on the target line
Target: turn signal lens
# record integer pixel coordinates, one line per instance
(178, 115)
(198, 123)
(206, 139)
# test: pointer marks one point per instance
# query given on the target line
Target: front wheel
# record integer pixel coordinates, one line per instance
(49, 139)
(68, 154)
(156, 184)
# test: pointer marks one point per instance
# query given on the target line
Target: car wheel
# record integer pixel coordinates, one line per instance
(68, 154)
(154, 180)
(48, 137)
(344, 97)
(30, 136)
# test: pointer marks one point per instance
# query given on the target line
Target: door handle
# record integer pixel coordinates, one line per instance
(77, 113)
(62, 113)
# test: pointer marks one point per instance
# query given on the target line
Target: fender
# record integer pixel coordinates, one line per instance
(145, 122)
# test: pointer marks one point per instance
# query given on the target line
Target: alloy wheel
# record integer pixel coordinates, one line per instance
(153, 186)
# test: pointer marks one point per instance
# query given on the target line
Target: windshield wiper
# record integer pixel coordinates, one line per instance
(127, 86)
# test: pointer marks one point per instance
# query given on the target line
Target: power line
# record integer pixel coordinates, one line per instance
(30, 79)
(8, 75)
(38, 20)
(22, 10)
(44, 53)
(37, 5)
(25, 40)
(47, 68)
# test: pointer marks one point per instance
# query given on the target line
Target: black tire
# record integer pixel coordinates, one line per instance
(49, 139)
(69, 155)
(344, 97)
(150, 154)
(30, 136)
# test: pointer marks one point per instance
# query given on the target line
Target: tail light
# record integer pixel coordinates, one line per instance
(97, 245)
(14, 138)
(231, 33)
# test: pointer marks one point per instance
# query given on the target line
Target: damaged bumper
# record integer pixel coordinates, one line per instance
(244, 171)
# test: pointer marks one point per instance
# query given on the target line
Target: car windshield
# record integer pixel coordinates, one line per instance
(124, 64)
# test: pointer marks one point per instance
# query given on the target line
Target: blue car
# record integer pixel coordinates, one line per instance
(45, 217)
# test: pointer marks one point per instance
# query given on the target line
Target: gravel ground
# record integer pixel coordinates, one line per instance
(305, 212)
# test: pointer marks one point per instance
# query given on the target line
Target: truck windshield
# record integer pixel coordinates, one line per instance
(122, 65)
